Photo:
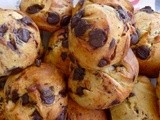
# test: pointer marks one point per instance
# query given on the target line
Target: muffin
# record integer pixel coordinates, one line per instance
(94, 38)
(158, 92)
(146, 41)
(76, 112)
(49, 15)
(20, 41)
(94, 89)
(57, 52)
(140, 105)
(37, 93)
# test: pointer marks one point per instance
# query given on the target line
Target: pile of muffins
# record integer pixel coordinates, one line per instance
(96, 65)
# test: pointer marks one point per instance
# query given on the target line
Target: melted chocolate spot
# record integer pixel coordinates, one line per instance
(25, 99)
(3, 30)
(97, 38)
(64, 56)
(147, 9)
(34, 9)
(11, 44)
(65, 20)
(16, 70)
(46, 95)
(134, 38)
(131, 94)
(79, 91)
(76, 18)
(3, 82)
(15, 96)
(102, 62)
(142, 52)
(26, 21)
(65, 43)
(79, 73)
(112, 44)
(115, 102)
(36, 115)
(53, 18)
(63, 92)
(122, 14)
(63, 114)
(81, 28)
(23, 34)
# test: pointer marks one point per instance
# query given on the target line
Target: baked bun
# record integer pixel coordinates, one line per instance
(94, 89)
(94, 38)
(76, 112)
(146, 41)
(140, 105)
(37, 93)
(20, 41)
(57, 52)
(49, 15)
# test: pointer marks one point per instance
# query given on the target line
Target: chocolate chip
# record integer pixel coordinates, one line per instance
(134, 38)
(81, 28)
(64, 56)
(16, 70)
(26, 21)
(63, 114)
(79, 73)
(97, 38)
(65, 43)
(79, 91)
(81, 2)
(112, 44)
(34, 8)
(63, 92)
(102, 62)
(122, 14)
(76, 18)
(142, 52)
(147, 9)
(3, 30)
(12, 45)
(131, 94)
(23, 34)
(36, 115)
(46, 95)
(65, 20)
(115, 102)
(3, 82)
(53, 18)
(38, 62)
(25, 99)
(15, 96)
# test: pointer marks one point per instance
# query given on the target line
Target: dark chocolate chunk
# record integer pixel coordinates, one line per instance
(26, 20)
(25, 99)
(142, 52)
(65, 20)
(63, 92)
(3, 30)
(112, 44)
(63, 114)
(11, 44)
(36, 115)
(23, 34)
(102, 62)
(147, 9)
(81, 28)
(115, 102)
(38, 62)
(46, 95)
(3, 80)
(78, 73)
(131, 94)
(79, 91)
(65, 43)
(53, 18)
(15, 96)
(34, 8)
(97, 38)
(76, 18)
(122, 14)
(134, 38)
(64, 56)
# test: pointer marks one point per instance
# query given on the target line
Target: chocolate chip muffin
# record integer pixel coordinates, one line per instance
(58, 53)
(96, 89)
(140, 105)
(158, 91)
(76, 112)
(37, 93)
(20, 41)
(49, 15)
(94, 38)
(146, 41)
